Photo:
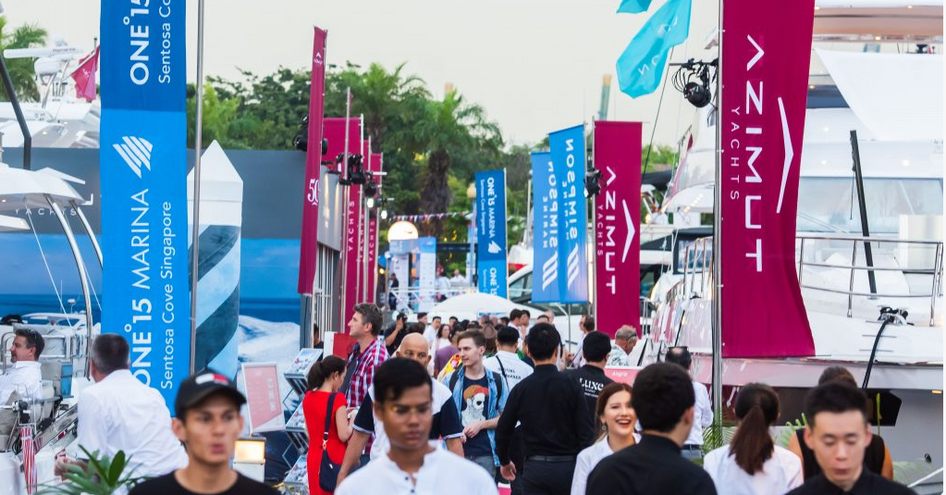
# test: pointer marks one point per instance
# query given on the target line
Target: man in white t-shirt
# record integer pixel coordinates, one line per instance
(25, 375)
(446, 425)
(702, 409)
(430, 331)
(506, 362)
(404, 403)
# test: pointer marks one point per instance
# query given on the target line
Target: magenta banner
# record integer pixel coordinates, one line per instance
(335, 134)
(308, 251)
(617, 155)
(376, 166)
(766, 50)
(351, 284)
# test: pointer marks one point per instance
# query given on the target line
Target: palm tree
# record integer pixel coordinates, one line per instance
(21, 70)
(453, 127)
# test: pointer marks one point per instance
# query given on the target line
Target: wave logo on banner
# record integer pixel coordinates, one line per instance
(617, 216)
(765, 45)
(491, 232)
(567, 150)
(144, 215)
(136, 152)
(545, 288)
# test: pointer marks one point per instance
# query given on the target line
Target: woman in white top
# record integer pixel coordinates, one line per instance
(617, 418)
(752, 464)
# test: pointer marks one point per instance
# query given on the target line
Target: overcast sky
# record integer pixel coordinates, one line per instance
(534, 65)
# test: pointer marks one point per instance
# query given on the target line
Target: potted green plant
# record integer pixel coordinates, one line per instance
(101, 475)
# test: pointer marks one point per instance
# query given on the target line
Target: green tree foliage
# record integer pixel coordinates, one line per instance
(21, 69)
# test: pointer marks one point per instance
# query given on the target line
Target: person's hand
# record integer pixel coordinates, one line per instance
(473, 430)
(341, 477)
(569, 358)
(508, 471)
(63, 462)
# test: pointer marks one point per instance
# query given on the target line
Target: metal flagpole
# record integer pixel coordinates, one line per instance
(342, 253)
(593, 276)
(364, 227)
(198, 137)
(717, 243)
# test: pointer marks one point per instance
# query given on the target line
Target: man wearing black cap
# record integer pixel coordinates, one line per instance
(208, 422)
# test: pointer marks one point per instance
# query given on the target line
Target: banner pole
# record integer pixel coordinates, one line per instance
(717, 387)
(365, 224)
(198, 138)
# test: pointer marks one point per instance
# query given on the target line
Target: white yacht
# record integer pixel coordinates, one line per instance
(890, 92)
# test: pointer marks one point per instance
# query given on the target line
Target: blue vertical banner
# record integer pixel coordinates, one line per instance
(491, 232)
(567, 148)
(545, 212)
(143, 159)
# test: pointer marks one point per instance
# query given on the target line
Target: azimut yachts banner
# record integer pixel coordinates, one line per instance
(377, 164)
(144, 201)
(491, 232)
(545, 207)
(567, 148)
(766, 50)
(617, 217)
(352, 242)
(308, 252)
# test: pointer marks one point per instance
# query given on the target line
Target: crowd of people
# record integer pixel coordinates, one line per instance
(441, 407)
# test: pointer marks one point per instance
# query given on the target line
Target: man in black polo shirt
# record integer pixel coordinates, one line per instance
(663, 399)
(838, 434)
(556, 423)
(590, 377)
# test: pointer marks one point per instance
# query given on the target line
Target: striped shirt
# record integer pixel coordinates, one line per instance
(365, 363)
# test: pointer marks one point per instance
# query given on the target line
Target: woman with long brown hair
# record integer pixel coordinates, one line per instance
(323, 405)
(752, 464)
(617, 418)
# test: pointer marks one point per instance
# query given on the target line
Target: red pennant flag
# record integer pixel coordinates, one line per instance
(84, 76)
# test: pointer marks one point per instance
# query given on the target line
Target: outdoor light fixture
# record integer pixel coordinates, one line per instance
(371, 188)
(370, 200)
(384, 214)
(356, 169)
(692, 78)
(301, 140)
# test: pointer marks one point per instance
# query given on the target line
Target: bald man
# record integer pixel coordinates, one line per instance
(446, 422)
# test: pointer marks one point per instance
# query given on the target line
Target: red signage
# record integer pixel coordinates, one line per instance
(617, 155)
(308, 254)
(766, 50)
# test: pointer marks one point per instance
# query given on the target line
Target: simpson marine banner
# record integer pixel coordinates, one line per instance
(491, 232)
(308, 253)
(766, 50)
(144, 201)
(567, 148)
(617, 217)
(545, 285)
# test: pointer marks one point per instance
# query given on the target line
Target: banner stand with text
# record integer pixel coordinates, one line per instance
(491, 232)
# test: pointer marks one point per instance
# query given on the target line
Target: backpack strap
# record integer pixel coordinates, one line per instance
(328, 418)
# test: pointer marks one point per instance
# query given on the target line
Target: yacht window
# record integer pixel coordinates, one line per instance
(829, 204)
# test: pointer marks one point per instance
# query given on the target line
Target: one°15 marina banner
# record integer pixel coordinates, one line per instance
(766, 50)
(567, 148)
(545, 285)
(491, 232)
(617, 217)
(144, 201)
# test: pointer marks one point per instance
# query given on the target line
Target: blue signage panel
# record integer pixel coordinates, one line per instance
(491, 231)
(545, 208)
(567, 148)
(144, 199)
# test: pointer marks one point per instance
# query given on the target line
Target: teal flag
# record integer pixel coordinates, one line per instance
(633, 6)
(641, 66)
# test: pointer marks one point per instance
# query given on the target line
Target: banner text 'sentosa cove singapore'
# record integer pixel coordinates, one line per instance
(491, 232)
(144, 201)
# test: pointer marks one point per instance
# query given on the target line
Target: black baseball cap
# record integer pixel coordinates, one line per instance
(196, 388)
